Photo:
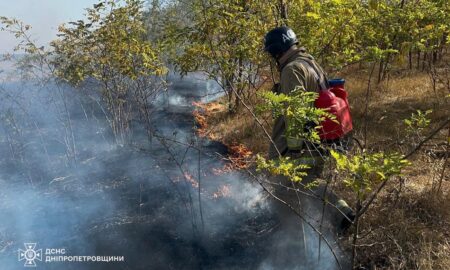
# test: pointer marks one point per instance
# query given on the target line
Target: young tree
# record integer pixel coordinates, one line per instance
(110, 45)
(224, 40)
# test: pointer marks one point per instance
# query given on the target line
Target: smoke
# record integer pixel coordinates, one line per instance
(161, 205)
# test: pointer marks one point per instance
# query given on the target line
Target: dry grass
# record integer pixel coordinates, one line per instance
(392, 101)
(233, 128)
(406, 231)
(408, 225)
(215, 123)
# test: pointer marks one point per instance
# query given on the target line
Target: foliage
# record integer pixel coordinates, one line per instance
(294, 169)
(108, 45)
(363, 172)
(417, 122)
(328, 29)
(111, 46)
(222, 39)
(298, 111)
(347, 31)
(19, 30)
(34, 64)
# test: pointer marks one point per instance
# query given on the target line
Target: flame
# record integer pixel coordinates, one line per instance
(208, 107)
(223, 192)
(200, 115)
(239, 158)
(202, 124)
(190, 179)
(240, 155)
(225, 169)
(197, 104)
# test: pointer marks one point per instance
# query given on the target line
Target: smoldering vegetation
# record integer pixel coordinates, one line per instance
(160, 203)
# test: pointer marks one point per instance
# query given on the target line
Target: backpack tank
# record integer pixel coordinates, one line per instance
(334, 100)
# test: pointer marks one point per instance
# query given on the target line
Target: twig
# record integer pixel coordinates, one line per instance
(444, 166)
(300, 215)
(412, 152)
(366, 109)
(429, 137)
(199, 191)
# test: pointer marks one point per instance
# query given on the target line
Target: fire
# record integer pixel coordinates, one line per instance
(208, 107)
(191, 180)
(201, 113)
(239, 159)
(202, 124)
(223, 192)
(225, 169)
(188, 178)
(240, 155)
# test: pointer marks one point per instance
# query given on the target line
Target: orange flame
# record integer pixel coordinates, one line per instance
(240, 155)
(239, 159)
(223, 192)
(200, 115)
(191, 180)
(202, 124)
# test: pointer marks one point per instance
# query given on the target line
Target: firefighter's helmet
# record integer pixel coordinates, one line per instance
(279, 40)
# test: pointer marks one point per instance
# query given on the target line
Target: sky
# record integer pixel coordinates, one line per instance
(43, 15)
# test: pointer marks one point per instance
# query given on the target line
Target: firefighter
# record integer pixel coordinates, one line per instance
(299, 70)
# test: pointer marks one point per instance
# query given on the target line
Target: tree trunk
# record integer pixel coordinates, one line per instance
(355, 234)
(410, 59)
(380, 70)
(385, 67)
(283, 11)
(424, 60)
(418, 60)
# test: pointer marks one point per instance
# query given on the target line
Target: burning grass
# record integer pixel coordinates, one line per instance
(222, 191)
(201, 115)
(239, 154)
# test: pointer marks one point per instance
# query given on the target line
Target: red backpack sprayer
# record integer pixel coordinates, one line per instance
(334, 100)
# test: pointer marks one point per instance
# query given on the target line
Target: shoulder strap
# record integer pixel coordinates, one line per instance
(321, 78)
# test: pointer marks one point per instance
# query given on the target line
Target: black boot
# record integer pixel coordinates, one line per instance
(349, 217)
